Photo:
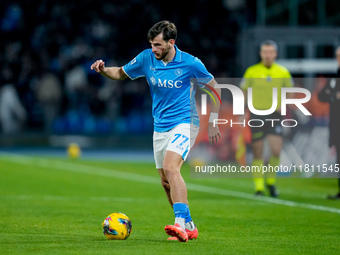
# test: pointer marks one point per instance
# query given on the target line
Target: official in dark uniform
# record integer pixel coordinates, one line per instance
(331, 94)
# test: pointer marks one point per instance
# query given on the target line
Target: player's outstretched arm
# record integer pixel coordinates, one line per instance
(213, 130)
(114, 73)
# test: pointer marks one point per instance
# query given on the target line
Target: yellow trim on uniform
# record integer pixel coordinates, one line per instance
(263, 80)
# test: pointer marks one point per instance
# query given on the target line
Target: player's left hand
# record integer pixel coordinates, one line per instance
(214, 133)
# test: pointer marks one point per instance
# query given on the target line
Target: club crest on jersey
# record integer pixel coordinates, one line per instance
(269, 79)
(178, 72)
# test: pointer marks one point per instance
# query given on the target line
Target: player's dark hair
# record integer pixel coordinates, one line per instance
(270, 43)
(166, 27)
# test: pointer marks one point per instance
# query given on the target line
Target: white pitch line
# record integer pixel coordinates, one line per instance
(72, 167)
(75, 198)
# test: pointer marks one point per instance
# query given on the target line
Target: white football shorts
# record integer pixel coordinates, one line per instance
(180, 139)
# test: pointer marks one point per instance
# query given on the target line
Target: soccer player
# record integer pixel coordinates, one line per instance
(170, 73)
(331, 94)
(263, 77)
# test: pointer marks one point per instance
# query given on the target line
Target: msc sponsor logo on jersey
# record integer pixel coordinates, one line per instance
(169, 84)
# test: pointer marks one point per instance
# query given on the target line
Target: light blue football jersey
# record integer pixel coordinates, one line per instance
(171, 85)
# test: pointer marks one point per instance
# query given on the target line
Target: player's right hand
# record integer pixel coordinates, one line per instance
(213, 133)
(98, 66)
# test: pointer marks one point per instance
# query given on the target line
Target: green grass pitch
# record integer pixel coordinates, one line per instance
(56, 206)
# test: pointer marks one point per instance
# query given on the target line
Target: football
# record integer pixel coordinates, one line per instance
(117, 226)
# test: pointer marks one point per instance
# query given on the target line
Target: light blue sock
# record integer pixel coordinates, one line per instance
(189, 224)
(188, 216)
(180, 211)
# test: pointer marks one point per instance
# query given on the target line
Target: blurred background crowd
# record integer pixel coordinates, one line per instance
(47, 47)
